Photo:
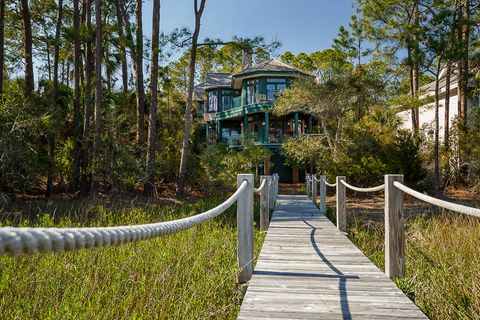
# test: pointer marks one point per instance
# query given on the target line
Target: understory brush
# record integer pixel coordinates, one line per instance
(187, 275)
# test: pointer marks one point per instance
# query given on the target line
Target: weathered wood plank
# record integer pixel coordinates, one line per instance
(308, 269)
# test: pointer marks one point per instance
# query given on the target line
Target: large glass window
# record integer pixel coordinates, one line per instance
(274, 85)
(226, 101)
(212, 101)
(252, 91)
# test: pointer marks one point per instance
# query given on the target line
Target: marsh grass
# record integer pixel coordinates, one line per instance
(442, 262)
(188, 275)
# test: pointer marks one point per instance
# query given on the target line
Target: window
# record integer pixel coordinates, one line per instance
(226, 101)
(252, 91)
(276, 80)
(212, 101)
(274, 85)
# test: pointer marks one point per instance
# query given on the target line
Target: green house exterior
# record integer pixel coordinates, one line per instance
(239, 104)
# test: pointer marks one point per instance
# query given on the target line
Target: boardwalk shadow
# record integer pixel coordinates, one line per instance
(342, 285)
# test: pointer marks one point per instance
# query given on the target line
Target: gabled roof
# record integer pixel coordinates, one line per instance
(213, 80)
(218, 80)
(272, 65)
(198, 93)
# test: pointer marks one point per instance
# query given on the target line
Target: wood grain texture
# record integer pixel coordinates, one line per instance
(394, 228)
(308, 269)
(341, 205)
(245, 229)
(265, 203)
(323, 195)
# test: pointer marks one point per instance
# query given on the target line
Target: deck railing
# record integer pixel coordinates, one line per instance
(16, 241)
(394, 190)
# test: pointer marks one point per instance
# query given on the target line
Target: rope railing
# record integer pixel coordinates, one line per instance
(259, 189)
(333, 185)
(15, 241)
(394, 191)
(438, 202)
(358, 189)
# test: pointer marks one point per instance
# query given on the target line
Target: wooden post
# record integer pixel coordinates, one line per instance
(265, 204)
(307, 184)
(275, 188)
(323, 195)
(314, 189)
(245, 228)
(341, 206)
(394, 228)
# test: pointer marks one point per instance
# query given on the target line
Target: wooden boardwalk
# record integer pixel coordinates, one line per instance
(307, 269)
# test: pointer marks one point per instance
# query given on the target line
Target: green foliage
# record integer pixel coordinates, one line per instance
(222, 164)
(24, 124)
(359, 134)
(301, 151)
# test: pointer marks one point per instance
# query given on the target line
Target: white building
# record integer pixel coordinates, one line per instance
(427, 112)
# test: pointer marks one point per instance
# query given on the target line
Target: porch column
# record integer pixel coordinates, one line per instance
(219, 131)
(295, 128)
(245, 124)
(266, 132)
(206, 132)
(310, 124)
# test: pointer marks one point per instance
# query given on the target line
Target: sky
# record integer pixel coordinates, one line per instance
(299, 25)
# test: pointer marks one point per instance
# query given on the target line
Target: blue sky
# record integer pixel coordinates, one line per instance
(300, 25)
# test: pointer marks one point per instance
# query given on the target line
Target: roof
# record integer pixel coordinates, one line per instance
(216, 80)
(198, 93)
(272, 65)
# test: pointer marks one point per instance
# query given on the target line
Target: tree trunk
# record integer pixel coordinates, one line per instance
(437, 128)
(413, 110)
(56, 58)
(98, 93)
(149, 186)
(446, 124)
(463, 64)
(67, 81)
(27, 46)
(414, 61)
(139, 75)
(2, 44)
(76, 98)
(87, 104)
(188, 109)
(123, 55)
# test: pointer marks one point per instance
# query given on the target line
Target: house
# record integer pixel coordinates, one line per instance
(427, 112)
(238, 105)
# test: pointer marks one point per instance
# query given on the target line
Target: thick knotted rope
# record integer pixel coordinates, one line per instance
(330, 184)
(15, 241)
(261, 187)
(372, 189)
(437, 202)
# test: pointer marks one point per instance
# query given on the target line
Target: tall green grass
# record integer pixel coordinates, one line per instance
(188, 275)
(442, 262)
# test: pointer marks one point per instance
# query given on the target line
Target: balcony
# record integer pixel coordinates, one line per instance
(237, 102)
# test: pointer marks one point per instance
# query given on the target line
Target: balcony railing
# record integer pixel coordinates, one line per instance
(237, 102)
